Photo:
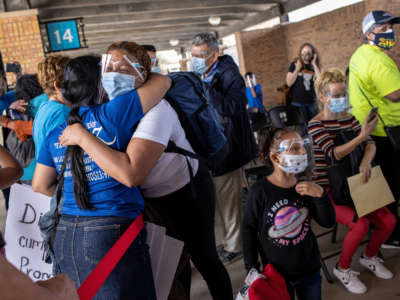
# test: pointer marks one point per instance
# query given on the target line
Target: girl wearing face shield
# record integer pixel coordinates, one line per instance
(332, 121)
(97, 209)
(279, 211)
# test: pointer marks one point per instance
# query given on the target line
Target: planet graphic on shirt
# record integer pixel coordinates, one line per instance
(288, 222)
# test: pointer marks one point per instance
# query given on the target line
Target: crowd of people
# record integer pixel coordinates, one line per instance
(94, 133)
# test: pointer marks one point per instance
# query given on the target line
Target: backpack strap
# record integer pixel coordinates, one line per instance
(173, 148)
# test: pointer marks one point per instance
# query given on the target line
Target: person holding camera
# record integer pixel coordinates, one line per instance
(300, 79)
(374, 81)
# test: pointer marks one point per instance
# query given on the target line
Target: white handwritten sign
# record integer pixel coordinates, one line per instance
(24, 245)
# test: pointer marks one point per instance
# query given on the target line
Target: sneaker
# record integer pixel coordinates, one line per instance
(349, 279)
(376, 266)
(391, 244)
(229, 257)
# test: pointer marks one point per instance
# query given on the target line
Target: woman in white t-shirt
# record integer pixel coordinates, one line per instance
(189, 205)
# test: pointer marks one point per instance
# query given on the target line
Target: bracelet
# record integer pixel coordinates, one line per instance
(7, 121)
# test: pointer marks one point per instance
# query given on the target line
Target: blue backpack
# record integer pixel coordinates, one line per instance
(198, 118)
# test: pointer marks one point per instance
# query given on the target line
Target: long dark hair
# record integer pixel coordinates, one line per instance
(314, 51)
(28, 87)
(80, 88)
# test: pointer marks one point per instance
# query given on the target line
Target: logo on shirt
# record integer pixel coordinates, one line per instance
(96, 132)
(307, 80)
(289, 223)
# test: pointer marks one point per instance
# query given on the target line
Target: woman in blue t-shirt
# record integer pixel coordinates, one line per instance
(98, 209)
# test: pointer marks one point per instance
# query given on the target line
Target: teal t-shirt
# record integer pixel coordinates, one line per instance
(34, 105)
(50, 115)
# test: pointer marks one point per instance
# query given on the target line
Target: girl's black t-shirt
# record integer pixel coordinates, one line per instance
(278, 221)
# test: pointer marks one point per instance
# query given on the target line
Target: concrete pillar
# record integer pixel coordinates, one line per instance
(239, 46)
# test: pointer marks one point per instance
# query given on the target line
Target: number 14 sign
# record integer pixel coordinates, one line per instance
(63, 35)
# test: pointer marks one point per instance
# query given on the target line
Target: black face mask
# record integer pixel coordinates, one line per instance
(307, 57)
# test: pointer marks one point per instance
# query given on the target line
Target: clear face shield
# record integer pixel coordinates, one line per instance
(123, 65)
(251, 80)
(296, 157)
(120, 74)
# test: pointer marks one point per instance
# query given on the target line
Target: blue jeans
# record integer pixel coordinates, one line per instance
(307, 288)
(308, 110)
(80, 244)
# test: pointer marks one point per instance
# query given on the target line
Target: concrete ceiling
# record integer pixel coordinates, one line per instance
(155, 21)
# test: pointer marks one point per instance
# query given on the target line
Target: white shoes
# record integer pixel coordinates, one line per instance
(349, 279)
(376, 266)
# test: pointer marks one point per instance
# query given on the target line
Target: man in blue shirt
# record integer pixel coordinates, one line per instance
(254, 92)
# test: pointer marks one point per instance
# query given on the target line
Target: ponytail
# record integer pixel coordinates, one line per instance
(74, 155)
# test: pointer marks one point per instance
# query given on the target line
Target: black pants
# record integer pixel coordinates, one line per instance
(389, 160)
(192, 214)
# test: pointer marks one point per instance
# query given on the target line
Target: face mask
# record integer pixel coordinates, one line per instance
(307, 56)
(156, 69)
(199, 64)
(116, 84)
(385, 40)
(338, 105)
(294, 163)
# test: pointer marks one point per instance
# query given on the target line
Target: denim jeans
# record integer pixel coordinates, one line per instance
(80, 244)
(308, 110)
(307, 288)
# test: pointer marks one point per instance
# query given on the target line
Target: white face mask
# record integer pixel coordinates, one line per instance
(294, 163)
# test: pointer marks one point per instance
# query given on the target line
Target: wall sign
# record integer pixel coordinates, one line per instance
(63, 35)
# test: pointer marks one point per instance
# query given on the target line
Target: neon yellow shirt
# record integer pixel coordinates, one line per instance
(377, 75)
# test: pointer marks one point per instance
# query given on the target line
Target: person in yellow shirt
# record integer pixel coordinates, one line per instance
(374, 80)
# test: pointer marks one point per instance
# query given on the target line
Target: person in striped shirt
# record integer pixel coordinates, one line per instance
(323, 128)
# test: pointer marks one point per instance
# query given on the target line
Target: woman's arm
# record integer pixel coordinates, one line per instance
(366, 129)
(130, 168)
(15, 285)
(322, 138)
(10, 170)
(44, 180)
(292, 76)
(365, 165)
(317, 70)
(153, 90)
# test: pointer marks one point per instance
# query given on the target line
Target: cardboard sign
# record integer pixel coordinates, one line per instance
(370, 196)
(165, 253)
(24, 245)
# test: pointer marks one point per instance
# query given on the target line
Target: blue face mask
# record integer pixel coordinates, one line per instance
(385, 40)
(116, 84)
(338, 105)
(199, 65)
(156, 69)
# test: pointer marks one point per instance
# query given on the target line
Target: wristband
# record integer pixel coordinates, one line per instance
(7, 121)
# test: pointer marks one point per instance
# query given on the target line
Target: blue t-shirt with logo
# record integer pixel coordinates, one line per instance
(255, 102)
(113, 123)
